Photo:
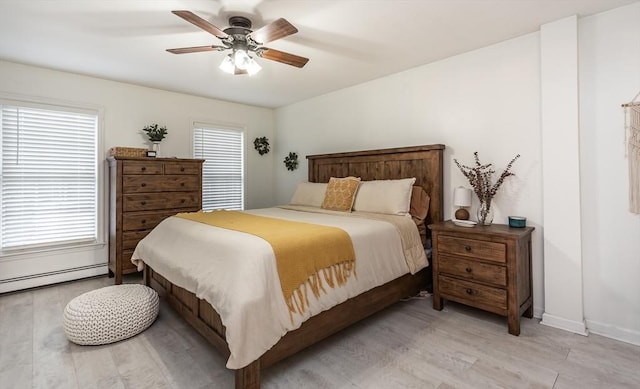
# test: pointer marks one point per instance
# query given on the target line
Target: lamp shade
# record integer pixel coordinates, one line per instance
(462, 197)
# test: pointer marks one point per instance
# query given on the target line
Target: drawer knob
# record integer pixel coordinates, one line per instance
(182, 184)
(143, 221)
(181, 169)
(143, 203)
(183, 201)
(467, 248)
(143, 185)
(468, 270)
(469, 291)
(143, 168)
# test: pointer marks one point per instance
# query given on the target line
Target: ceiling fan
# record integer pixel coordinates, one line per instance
(242, 40)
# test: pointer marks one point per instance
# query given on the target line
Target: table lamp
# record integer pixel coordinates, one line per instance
(462, 199)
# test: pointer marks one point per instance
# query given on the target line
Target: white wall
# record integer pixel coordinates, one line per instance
(486, 101)
(609, 53)
(561, 175)
(127, 109)
(489, 100)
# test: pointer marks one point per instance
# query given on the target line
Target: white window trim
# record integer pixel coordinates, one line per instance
(102, 227)
(225, 126)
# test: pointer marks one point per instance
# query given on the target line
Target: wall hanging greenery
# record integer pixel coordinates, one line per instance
(155, 133)
(291, 161)
(262, 145)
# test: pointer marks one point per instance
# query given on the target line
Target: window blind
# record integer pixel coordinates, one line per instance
(48, 192)
(223, 170)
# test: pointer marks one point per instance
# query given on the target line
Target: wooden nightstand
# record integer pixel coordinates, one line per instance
(486, 267)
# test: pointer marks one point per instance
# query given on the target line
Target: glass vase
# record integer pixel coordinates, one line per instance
(485, 213)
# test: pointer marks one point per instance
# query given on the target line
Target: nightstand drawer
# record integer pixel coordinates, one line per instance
(485, 297)
(473, 270)
(489, 251)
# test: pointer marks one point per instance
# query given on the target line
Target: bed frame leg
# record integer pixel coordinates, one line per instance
(146, 277)
(249, 376)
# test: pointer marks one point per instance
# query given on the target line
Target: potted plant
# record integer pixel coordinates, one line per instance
(156, 134)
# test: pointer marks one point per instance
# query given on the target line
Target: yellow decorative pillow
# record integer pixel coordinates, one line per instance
(340, 193)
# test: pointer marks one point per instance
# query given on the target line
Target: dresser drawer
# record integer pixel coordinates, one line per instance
(130, 239)
(473, 270)
(141, 167)
(490, 251)
(154, 201)
(166, 183)
(181, 168)
(127, 265)
(485, 297)
(144, 221)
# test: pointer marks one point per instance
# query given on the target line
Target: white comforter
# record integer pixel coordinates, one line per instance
(236, 273)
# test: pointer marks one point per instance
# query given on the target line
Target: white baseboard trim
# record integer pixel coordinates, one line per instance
(576, 327)
(15, 284)
(613, 332)
(538, 312)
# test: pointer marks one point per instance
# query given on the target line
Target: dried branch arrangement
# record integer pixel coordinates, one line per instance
(479, 176)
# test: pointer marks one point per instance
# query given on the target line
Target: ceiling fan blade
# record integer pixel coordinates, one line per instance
(276, 30)
(281, 56)
(203, 24)
(196, 49)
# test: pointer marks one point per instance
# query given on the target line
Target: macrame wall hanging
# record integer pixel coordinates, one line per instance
(632, 132)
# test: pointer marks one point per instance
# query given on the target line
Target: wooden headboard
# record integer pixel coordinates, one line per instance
(422, 162)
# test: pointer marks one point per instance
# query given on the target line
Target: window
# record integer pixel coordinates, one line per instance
(223, 170)
(49, 184)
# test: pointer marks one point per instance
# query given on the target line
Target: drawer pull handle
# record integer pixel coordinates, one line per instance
(143, 203)
(143, 185)
(181, 169)
(467, 248)
(143, 221)
(143, 168)
(469, 291)
(468, 270)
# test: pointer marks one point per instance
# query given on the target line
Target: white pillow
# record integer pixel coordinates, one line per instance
(384, 196)
(309, 193)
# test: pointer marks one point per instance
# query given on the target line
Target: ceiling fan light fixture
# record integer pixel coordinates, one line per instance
(240, 63)
(253, 67)
(241, 59)
(241, 39)
(227, 65)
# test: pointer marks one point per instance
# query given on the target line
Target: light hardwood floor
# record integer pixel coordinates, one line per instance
(406, 346)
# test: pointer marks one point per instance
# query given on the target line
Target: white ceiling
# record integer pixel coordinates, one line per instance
(347, 41)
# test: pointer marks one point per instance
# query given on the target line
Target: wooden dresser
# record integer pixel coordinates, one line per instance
(486, 267)
(143, 192)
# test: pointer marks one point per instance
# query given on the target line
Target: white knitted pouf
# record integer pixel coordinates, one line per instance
(110, 314)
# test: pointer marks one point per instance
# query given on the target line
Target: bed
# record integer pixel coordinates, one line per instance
(422, 162)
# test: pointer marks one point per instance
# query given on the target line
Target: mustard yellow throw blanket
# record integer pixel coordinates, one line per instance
(303, 251)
